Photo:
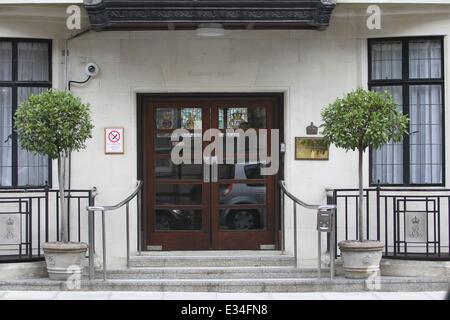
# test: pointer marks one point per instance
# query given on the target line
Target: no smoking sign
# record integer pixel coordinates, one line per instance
(114, 141)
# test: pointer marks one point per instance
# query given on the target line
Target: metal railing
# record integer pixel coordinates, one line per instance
(320, 209)
(32, 216)
(91, 223)
(412, 223)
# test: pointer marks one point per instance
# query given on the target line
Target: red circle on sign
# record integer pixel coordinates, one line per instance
(114, 136)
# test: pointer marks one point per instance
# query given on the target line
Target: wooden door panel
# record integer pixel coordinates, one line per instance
(178, 206)
(240, 218)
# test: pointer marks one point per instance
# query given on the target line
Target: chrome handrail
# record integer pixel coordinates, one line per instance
(297, 201)
(126, 202)
(120, 204)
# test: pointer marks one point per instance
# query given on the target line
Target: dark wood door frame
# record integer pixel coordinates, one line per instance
(144, 98)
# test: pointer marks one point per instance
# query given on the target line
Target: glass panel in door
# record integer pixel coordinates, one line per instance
(172, 193)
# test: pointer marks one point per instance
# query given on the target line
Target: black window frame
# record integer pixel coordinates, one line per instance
(14, 84)
(405, 82)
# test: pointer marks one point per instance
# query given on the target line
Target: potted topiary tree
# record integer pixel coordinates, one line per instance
(55, 123)
(360, 120)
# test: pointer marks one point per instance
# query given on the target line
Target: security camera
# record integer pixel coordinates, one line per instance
(91, 69)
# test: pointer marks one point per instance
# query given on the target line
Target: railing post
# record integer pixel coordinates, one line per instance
(332, 243)
(283, 240)
(128, 233)
(326, 223)
(139, 221)
(91, 233)
(295, 235)
(319, 254)
(104, 245)
(91, 244)
(46, 211)
(378, 212)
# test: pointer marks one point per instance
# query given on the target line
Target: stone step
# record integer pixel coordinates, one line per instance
(209, 253)
(266, 272)
(211, 259)
(339, 284)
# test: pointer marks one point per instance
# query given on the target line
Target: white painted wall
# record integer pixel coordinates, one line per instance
(311, 68)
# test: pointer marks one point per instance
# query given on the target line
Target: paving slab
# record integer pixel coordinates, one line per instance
(243, 296)
(134, 295)
(129, 295)
(350, 296)
(402, 296)
(28, 295)
(189, 296)
(83, 295)
(297, 296)
(436, 295)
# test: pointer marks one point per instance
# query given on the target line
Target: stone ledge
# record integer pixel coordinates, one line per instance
(408, 268)
(412, 268)
(23, 270)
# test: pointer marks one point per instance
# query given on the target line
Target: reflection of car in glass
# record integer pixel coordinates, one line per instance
(241, 194)
(249, 193)
(173, 219)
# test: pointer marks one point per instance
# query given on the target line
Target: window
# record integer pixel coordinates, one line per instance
(411, 69)
(25, 69)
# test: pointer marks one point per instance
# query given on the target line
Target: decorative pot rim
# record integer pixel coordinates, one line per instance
(354, 245)
(65, 246)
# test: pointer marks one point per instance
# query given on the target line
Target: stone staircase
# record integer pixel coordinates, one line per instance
(225, 271)
(211, 265)
(205, 259)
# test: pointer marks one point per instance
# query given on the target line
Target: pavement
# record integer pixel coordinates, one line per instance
(127, 295)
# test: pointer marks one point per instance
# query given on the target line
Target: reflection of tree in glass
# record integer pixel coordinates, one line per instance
(317, 147)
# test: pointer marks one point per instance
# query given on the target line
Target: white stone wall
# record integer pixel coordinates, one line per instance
(311, 68)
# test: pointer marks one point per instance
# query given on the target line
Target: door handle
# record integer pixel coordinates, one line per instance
(206, 169)
(210, 169)
(214, 169)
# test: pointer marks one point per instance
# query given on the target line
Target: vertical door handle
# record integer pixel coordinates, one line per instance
(206, 169)
(214, 169)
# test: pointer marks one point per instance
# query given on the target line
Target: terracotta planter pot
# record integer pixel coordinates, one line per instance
(64, 259)
(361, 259)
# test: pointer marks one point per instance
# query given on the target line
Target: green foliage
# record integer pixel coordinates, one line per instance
(363, 119)
(53, 123)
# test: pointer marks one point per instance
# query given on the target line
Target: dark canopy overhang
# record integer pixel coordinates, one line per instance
(188, 14)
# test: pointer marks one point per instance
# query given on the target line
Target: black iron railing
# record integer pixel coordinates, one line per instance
(412, 223)
(30, 217)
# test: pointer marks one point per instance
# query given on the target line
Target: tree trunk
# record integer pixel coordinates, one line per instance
(62, 199)
(361, 229)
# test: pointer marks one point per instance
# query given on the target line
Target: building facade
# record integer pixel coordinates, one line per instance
(273, 68)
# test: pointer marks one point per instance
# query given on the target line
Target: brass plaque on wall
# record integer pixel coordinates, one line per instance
(311, 148)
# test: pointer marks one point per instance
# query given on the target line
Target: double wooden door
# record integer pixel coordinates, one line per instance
(201, 204)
